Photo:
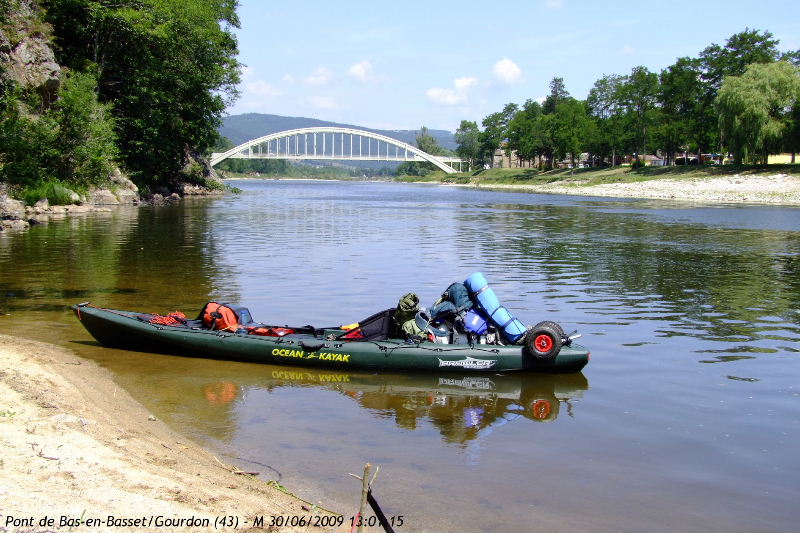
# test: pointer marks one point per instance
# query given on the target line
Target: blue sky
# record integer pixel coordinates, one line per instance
(403, 65)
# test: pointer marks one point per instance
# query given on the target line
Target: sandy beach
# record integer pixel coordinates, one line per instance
(777, 189)
(78, 450)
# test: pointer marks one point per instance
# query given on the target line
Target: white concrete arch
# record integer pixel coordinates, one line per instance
(331, 143)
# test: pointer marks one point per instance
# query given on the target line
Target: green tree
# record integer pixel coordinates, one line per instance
(524, 133)
(755, 109)
(495, 129)
(27, 142)
(604, 104)
(680, 94)
(720, 61)
(85, 138)
(558, 93)
(167, 67)
(427, 142)
(638, 95)
(71, 142)
(571, 128)
(468, 138)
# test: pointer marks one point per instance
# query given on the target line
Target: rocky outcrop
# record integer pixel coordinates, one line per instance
(26, 56)
(10, 208)
(197, 171)
(32, 64)
(122, 191)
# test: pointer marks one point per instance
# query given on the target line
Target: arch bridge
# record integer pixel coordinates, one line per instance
(331, 143)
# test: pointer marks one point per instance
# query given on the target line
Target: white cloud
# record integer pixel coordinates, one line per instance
(462, 84)
(446, 96)
(260, 88)
(320, 76)
(627, 50)
(506, 71)
(362, 71)
(288, 78)
(554, 4)
(322, 102)
(456, 96)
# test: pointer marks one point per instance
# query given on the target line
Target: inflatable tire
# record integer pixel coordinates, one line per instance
(543, 341)
(554, 325)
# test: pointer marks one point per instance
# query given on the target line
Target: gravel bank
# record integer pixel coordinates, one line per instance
(776, 189)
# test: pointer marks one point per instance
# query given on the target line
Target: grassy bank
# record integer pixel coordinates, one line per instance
(599, 176)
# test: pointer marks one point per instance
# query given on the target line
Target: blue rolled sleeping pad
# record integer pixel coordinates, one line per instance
(486, 299)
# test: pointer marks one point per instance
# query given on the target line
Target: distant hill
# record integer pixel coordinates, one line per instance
(241, 128)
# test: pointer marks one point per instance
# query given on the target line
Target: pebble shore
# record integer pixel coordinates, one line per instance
(778, 189)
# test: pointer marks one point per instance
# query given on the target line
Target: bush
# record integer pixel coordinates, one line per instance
(55, 192)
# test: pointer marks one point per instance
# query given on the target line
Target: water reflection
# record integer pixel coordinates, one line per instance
(210, 395)
(459, 406)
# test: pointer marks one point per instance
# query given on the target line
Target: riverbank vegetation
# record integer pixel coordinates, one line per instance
(741, 98)
(88, 86)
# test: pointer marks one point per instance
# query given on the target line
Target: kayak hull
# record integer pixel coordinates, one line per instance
(132, 331)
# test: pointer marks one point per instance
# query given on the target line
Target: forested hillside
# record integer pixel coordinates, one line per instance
(87, 86)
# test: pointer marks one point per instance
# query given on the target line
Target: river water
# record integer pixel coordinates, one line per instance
(686, 419)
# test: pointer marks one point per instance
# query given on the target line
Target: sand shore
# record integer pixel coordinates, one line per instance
(77, 447)
(778, 189)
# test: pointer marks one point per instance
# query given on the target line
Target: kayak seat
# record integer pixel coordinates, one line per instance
(377, 327)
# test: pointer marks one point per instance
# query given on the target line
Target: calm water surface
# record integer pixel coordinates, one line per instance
(687, 418)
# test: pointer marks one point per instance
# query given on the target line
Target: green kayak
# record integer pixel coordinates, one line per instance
(323, 347)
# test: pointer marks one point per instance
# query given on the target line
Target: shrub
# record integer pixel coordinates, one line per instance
(55, 192)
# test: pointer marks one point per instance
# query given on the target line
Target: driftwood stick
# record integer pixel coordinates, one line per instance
(364, 492)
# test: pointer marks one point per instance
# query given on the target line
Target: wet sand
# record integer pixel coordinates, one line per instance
(77, 447)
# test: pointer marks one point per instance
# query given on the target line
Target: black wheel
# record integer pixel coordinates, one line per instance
(544, 341)
(554, 325)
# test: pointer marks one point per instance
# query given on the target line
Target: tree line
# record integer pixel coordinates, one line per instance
(740, 98)
(144, 84)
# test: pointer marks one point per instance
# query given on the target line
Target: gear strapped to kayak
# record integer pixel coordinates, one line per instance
(467, 330)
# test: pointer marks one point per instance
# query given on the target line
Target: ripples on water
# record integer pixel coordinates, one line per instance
(652, 436)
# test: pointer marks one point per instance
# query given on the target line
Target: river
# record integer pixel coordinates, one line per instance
(686, 419)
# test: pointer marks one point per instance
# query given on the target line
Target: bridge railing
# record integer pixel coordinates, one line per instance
(332, 143)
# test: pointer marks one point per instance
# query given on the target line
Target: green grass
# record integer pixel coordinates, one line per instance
(597, 176)
(55, 192)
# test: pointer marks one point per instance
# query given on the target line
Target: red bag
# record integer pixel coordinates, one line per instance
(176, 318)
(220, 317)
(270, 332)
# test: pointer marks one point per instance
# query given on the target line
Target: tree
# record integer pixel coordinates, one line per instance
(639, 95)
(524, 135)
(571, 128)
(718, 62)
(740, 50)
(558, 93)
(495, 129)
(680, 94)
(604, 104)
(755, 109)
(167, 67)
(427, 143)
(468, 138)
(85, 137)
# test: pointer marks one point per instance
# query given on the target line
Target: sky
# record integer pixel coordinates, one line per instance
(404, 65)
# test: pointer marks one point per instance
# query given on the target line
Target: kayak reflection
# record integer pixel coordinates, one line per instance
(460, 406)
